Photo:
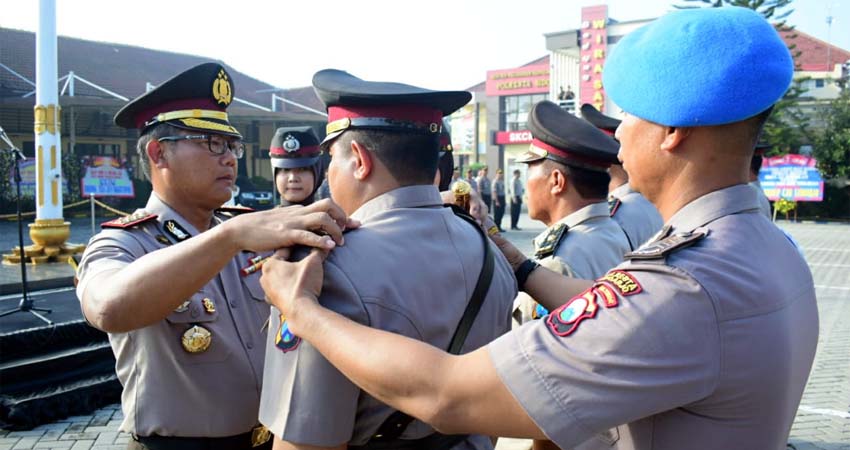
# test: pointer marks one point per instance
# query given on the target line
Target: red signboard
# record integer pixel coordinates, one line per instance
(513, 137)
(594, 45)
(522, 80)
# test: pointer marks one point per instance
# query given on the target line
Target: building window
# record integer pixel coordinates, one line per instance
(819, 83)
(515, 109)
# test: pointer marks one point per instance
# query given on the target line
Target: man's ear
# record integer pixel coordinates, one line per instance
(557, 181)
(156, 153)
(674, 136)
(363, 162)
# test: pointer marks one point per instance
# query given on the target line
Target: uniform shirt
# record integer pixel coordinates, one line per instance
(635, 214)
(483, 185)
(593, 245)
(517, 188)
(410, 269)
(499, 188)
(167, 390)
(764, 202)
(707, 346)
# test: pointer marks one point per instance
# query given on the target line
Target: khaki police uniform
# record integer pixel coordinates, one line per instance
(678, 344)
(638, 218)
(585, 244)
(410, 269)
(198, 372)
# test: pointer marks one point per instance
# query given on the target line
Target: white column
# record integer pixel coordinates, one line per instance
(48, 148)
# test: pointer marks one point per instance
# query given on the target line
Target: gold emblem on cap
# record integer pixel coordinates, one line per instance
(434, 127)
(337, 125)
(196, 339)
(221, 89)
(209, 305)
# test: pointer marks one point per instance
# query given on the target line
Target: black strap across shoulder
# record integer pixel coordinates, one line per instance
(388, 433)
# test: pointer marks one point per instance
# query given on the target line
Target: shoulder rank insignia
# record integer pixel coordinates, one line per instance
(550, 242)
(566, 319)
(285, 340)
(613, 205)
(176, 231)
(233, 211)
(136, 218)
(664, 246)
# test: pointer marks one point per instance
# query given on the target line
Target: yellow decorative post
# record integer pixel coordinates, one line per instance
(50, 231)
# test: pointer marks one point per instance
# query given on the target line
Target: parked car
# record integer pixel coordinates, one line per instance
(256, 199)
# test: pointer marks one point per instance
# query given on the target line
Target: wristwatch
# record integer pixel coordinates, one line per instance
(523, 271)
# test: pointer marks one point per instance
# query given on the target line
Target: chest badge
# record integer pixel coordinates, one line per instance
(196, 339)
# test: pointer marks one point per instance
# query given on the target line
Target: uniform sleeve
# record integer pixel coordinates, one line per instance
(305, 399)
(643, 343)
(108, 250)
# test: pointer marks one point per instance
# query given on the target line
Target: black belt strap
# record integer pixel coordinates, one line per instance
(398, 421)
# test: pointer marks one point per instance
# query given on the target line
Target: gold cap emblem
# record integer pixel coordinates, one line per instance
(221, 89)
(196, 339)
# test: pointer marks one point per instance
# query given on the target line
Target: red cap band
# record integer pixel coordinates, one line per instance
(582, 159)
(411, 113)
(301, 153)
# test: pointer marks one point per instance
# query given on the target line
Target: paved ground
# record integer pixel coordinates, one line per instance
(823, 420)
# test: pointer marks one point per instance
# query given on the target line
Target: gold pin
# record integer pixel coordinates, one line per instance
(209, 305)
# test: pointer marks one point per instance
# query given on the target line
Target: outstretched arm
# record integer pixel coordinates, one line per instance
(455, 394)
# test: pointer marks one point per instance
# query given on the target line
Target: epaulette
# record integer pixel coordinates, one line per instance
(664, 246)
(551, 241)
(613, 204)
(234, 211)
(136, 218)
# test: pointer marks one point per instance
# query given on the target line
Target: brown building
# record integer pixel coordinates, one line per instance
(96, 79)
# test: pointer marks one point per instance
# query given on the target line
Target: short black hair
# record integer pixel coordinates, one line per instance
(410, 157)
(590, 184)
(755, 164)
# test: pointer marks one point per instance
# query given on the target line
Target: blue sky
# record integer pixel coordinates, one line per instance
(440, 44)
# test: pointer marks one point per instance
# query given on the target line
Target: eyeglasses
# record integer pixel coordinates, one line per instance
(216, 144)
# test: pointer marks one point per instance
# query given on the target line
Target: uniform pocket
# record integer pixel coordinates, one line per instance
(198, 334)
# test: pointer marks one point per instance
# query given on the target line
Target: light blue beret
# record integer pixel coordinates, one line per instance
(699, 67)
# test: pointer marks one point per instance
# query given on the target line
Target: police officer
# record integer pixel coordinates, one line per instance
(702, 339)
(484, 187)
(176, 284)
(633, 212)
(396, 272)
(499, 198)
(567, 184)
(517, 191)
(296, 164)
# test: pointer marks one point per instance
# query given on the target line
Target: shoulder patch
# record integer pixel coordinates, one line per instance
(136, 218)
(613, 205)
(284, 340)
(566, 319)
(624, 282)
(550, 242)
(667, 245)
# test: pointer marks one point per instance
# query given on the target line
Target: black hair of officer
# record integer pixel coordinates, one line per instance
(296, 148)
(446, 163)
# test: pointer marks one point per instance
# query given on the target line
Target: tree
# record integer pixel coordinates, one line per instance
(787, 128)
(832, 144)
